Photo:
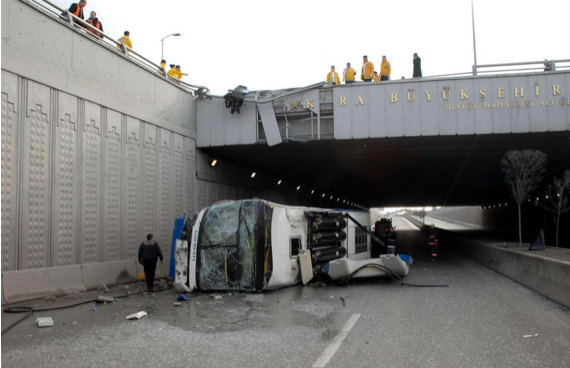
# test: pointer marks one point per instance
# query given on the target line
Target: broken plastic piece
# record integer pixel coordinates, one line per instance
(533, 335)
(177, 304)
(94, 310)
(216, 296)
(105, 299)
(137, 315)
(45, 322)
(183, 298)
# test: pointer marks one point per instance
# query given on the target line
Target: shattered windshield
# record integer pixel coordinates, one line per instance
(227, 246)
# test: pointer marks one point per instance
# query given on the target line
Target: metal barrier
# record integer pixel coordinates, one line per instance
(561, 64)
(60, 14)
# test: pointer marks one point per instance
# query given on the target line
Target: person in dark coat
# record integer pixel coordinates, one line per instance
(149, 253)
(417, 66)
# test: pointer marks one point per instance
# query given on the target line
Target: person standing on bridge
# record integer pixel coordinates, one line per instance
(125, 41)
(348, 74)
(94, 21)
(179, 73)
(162, 69)
(376, 77)
(385, 69)
(417, 66)
(367, 73)
(149, 253)
(332, 78)
(77, 9)
(172, 72)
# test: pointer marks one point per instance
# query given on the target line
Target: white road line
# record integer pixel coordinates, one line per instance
(339, 338)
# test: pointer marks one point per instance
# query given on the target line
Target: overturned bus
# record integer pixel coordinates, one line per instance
(256, 245)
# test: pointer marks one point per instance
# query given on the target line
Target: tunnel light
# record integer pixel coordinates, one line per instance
(338, 199)
(505, 205)
(313, 191)
(546, 197)
(343, 201)
(213, 162)
(253, 175)
(323, 195)
(558, 194)
(299, 187)
(331, 197)
(537, 199)
(279, 182)
(499, 205)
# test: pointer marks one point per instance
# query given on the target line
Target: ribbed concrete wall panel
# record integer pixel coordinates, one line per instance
(149, 179)
(65, 192)
(131, 234)
(91, 184)
(10, 164)
(36, 177)
(112, 198)
(164, 209)
(190, 175)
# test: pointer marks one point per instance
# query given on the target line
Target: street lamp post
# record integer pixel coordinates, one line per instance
(162, 41)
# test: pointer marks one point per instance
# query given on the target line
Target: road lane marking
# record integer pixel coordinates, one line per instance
(335, 344)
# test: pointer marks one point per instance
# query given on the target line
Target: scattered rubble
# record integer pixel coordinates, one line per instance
(137, 315)
(44, 322)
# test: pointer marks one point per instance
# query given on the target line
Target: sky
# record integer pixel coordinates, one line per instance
(285, 44)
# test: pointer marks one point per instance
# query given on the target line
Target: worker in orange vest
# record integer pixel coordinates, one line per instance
(94, 21)
(77, 9)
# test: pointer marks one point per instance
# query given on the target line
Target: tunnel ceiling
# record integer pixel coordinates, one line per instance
(438, 170)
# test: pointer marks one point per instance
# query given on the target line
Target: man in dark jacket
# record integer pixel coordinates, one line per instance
(95, 22)
(149, 252)
(77, 9)
(417, 66)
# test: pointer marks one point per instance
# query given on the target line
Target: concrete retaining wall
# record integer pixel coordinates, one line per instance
(18, 286)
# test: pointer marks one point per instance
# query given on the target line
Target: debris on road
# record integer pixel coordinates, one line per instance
(45, 322)
(74, 323)
(533, 335)
(198, 303)
(137, 315)
(94, 310)
(177, 304)
(215, 296)
(105, 299)
(343, 301)
(183, 298)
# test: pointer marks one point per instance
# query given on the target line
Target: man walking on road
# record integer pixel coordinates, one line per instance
(149, 252)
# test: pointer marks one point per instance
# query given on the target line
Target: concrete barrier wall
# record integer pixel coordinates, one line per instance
(548, 277)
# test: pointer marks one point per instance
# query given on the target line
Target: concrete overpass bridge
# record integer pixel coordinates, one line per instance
(402, 142)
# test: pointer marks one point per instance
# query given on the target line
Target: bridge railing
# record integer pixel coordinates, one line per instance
(528, 66)
(63, 15)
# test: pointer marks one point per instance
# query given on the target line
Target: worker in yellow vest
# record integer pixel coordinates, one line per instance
(367, 70)
(348, 74)
(332, 78)
(125, 40)
(376, 77)
(385, 69)
(173, 72)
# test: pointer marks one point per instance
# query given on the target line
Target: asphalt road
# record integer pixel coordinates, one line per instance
(478, 321)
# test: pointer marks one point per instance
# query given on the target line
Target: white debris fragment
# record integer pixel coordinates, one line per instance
(137, 315)
(74, 323)
(216, 296)
(177, 304)
(527, 336)
(45, 322)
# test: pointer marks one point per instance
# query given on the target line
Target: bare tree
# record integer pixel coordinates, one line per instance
(523, 171)
(557, 198)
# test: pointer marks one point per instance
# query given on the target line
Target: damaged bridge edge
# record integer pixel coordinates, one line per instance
(21, 286)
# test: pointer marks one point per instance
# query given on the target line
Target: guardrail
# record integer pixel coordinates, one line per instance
(63, 15)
